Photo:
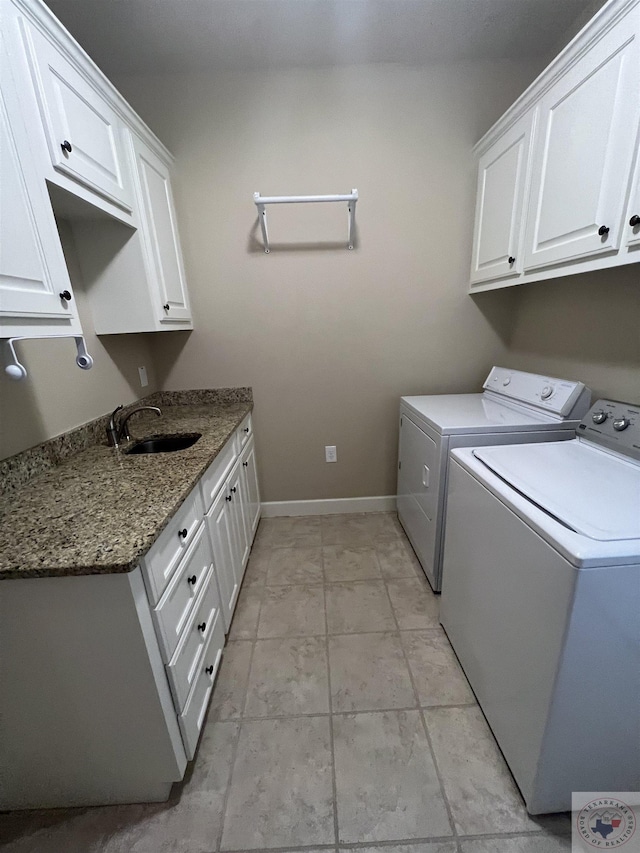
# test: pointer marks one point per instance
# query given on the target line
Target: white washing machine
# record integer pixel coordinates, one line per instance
(541, 602)
(514, 407)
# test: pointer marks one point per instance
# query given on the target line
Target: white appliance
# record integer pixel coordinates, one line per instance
(514, 407)
(541, 602)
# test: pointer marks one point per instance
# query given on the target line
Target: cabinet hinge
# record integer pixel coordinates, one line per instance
(400, 421)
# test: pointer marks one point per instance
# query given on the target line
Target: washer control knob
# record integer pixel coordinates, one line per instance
(599, 417)
(506, 381)
(546, 392)
(621, 423)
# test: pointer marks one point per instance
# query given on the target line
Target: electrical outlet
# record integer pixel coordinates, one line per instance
(330, 453)
(143, 377)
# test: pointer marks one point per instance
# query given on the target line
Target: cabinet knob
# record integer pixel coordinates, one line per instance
(228, 498)
(202, 627)
(183, 533)
(66, 146)
(603, 230)
(166, 306)
(66, 296)
(209, 670)
(245, 464)
(246, 429)
(635, 220)
(192, 580)
(512, 260)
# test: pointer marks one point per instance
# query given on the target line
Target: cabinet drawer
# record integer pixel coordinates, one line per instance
(172, 613)
(183, 668)
(165, 554)
(244, 432)
(216, 473)
(195, 710)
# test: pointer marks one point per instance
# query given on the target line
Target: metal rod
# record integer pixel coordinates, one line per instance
(303, 199)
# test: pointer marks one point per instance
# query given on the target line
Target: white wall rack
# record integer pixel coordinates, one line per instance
(350, 199)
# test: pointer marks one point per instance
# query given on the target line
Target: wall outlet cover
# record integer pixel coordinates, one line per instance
(330, 453)
(144, 381)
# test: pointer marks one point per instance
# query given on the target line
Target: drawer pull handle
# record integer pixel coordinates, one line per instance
(66, 146)
(635, 220)
(233, 489)
(65, 295)
(166, 306)
(228, 498)
(512, 260)
(245, 464)
(202, 627)
(183, 533)
(603, 230)
(209, 670)
(192, 580)
(246, 429)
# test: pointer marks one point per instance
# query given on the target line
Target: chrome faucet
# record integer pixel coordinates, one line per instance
(117, 432)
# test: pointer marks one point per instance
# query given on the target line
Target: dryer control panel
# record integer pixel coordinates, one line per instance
(613, 425)
(561, 398)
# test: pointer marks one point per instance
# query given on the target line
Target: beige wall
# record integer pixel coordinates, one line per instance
(583, 327)
(57, 395)
(330, 339)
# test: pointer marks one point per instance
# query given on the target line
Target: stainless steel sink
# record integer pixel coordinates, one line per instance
(165, 443)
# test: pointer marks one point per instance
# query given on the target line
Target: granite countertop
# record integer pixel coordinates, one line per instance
(101, 510)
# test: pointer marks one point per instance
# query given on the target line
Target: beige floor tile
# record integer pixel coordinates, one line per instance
(231, 685)
(368, 671)
(358, 606)
(436, 672)
(288, 677)
(352, 531)
(281, 790)
(425, 847)
(397, 560)
(349, 564)
(245, 618)
(523, 844)
(386, 783)
(414, 604)
(303, 532)
(480, 789)
(294, 566)
(292, 611)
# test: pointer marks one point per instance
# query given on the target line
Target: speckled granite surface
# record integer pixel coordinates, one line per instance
(101, 510)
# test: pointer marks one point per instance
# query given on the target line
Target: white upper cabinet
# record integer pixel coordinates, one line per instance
(583, 160)
(561, 209)
(502, 177)
(36, 296)
(83, 132)
(166, 271)
(631, 224)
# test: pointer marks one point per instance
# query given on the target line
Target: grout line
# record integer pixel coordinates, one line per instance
(334, 784)
(345, 713)
(426, 731)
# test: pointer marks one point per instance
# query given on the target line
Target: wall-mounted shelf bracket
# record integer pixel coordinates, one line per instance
(350, 199)
(17, 371)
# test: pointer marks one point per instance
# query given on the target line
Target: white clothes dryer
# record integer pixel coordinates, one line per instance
(513, 407)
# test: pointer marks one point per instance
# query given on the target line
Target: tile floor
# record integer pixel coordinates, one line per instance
(340, 720)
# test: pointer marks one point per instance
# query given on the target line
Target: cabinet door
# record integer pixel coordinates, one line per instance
(84, 135)
(161, 236)
(503, 172)
(252, 506)
(241, 543)
(219, 522)
(582, 157)
(33, 272)
(632, 220)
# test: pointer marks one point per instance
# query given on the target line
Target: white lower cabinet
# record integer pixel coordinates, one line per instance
(252, 490)
(219, 524)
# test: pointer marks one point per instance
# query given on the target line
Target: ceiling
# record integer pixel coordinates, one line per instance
(155, 36)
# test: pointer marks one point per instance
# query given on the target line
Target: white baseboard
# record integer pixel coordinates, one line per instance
(273, 509)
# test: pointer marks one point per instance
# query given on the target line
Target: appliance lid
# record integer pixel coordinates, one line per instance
(590, 491)
(477, 413)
